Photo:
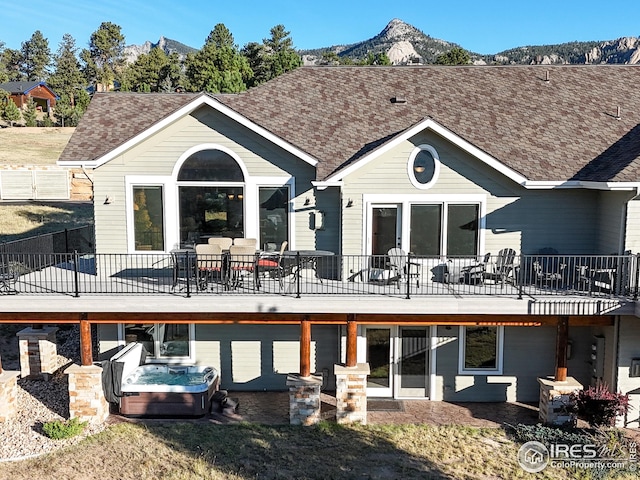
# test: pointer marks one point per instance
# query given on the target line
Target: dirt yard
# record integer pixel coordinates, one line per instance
(33, 145)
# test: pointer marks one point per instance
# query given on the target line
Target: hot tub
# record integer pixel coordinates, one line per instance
(140, 389)
(168, 390)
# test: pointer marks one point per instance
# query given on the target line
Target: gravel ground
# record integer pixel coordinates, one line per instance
(41, 401)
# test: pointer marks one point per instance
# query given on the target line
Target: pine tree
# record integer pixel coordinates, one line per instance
(11, 113)
(30, 113)
(67, 79)
(36, 57)
(218, 67)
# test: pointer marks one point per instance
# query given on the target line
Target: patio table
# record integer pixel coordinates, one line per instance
(299, 260)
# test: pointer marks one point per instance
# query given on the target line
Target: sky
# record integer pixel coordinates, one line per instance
(480, 26)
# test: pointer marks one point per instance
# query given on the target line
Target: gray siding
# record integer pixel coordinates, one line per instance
(526, 220)
(628, 349)
(157, 156)
(529, 353)
(254, 357)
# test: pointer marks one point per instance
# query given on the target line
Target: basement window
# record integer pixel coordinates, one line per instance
(481, 350)
(163, 341)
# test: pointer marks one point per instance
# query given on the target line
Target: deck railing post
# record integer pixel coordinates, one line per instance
(76, 277)
(187, 270)
(408, 274)
(635, 290)
(298, 274)
(520, 276)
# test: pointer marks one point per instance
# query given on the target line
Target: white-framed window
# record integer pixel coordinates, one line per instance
(444, 228)
(481, 350)
(148, 217)
(163, 341)
(423, 166)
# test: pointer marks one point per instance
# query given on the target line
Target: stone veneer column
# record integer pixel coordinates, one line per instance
(38, 351)
(8, 394)
(86, 397)
(351, 393)
(304, 399)
(556, 406)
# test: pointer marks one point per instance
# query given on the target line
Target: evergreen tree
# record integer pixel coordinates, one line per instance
(30, 113)
(218, 67)
(67, 79)
(12, 60)
(36, 57)
(11, 113)
(150, 70)
(4, 77)
(455, 56)
(376, 59)
(274, 57)
(104, 59)
(281, 55)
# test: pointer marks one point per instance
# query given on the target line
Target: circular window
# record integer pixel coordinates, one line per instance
(423, 166)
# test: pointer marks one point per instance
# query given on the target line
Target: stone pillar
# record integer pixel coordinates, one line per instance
(8, 394)
(86, 397)
(351, 393)
(556, 406)
(38, 351)
(304, 399)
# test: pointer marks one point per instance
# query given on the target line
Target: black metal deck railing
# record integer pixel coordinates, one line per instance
(297, 274)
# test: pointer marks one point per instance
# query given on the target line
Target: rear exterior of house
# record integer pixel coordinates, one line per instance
(409, 158)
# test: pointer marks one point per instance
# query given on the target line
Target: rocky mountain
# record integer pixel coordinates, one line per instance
(405, 44)
(169, 46)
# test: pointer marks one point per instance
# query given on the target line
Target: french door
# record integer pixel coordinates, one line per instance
(399, 359)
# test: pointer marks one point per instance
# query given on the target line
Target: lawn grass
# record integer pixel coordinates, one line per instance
(22, 220)
(195, 450)
(33, 145)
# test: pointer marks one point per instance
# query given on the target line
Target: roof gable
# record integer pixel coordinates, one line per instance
(22, 88)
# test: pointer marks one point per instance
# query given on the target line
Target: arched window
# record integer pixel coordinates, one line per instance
(211, 197)
(210, 166)
(423, 166)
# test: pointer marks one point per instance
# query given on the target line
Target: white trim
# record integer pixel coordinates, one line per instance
(404, 202)
(499, 353)
(147, 181)
(156, 343)
(436, 166)
(433, 350)
(184, 156)
(430, 124)
(196, 103)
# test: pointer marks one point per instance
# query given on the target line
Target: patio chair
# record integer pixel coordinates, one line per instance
(503, 269)
(8, 278)
(271, 263)
(401, 268)
(253, 242)
(474, 274)
(242, 262)
(549, 269)
(224, 242)
(209, 261)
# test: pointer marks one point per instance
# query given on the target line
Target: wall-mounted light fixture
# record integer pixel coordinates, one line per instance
(307, 201)
(349, 203)
(108, 200)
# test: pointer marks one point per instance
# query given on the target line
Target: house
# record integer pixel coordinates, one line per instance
(515, 190)
(21, 91)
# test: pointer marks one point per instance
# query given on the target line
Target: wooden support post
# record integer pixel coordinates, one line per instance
(85, 343)
(305, 348)
(562, 342)
(352, 337)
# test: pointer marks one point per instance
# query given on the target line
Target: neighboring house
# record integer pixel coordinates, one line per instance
(449, 163)
(20, 92)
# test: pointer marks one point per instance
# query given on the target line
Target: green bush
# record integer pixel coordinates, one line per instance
(59, 429)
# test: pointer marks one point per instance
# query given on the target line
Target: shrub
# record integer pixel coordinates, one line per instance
(599, 406)
(59, 429)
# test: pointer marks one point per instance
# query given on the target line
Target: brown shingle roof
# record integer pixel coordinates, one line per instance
(556, 130)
